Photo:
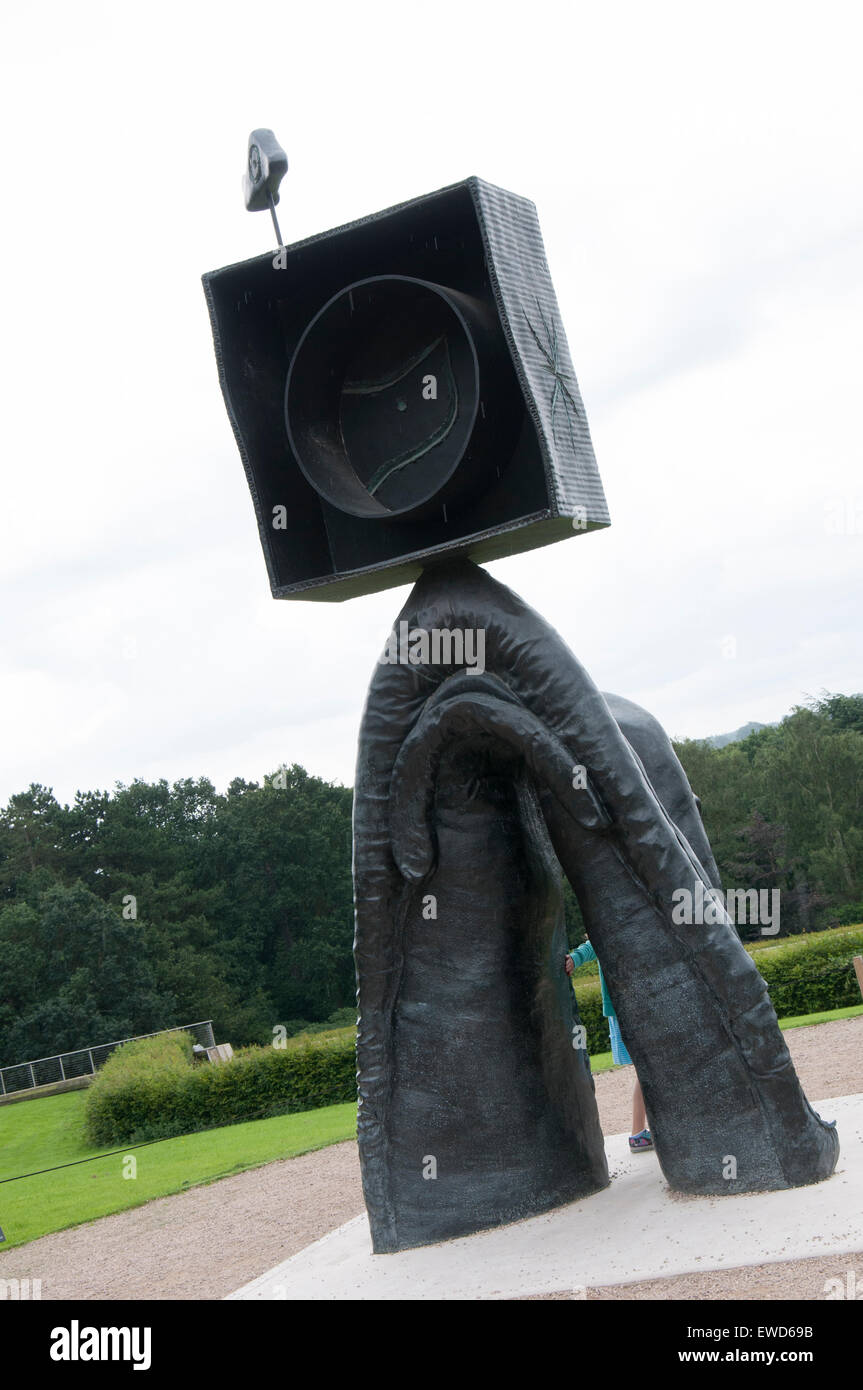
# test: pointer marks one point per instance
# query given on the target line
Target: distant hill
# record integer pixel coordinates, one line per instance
(720, 740)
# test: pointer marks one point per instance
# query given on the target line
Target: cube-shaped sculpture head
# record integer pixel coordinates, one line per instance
(401, 390)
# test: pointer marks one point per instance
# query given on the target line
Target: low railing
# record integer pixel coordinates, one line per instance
(84, 1061)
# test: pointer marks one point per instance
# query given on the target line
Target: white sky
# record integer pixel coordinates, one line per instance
(697, 170)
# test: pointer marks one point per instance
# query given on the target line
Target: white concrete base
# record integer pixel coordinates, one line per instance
(636, 1229)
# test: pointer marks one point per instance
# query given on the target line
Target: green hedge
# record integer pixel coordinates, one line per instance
(588, 997)
(804, 975)
(136, 1082)
(160, 1092)
(151, 1089)
(811, 974)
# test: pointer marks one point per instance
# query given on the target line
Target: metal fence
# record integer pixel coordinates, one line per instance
(85, 1061)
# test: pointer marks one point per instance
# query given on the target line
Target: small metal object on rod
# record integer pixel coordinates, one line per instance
(266, 166)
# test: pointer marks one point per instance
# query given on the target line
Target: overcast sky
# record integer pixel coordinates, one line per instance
(697, 172)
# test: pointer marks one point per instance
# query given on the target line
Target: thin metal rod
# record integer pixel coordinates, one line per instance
(274, 217)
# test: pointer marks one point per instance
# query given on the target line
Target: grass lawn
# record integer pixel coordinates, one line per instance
(804, 1020)
(43, 1133)
(48, 1131)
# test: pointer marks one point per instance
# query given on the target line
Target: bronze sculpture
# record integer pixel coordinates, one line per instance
(405, 406)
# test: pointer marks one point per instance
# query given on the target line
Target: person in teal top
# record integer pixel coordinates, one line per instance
(640, 1138)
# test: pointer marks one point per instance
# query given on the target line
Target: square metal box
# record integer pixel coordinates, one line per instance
(323, 349)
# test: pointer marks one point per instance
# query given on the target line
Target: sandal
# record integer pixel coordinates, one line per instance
(641, 1141)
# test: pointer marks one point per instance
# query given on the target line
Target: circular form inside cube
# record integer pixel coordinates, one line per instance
(382, 396)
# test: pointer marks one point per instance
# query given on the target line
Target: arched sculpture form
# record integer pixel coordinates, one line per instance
(475, 1108)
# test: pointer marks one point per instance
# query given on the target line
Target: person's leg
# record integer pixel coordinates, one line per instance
(639, 1114)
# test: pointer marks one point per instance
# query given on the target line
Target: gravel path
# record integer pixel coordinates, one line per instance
(208, 1241)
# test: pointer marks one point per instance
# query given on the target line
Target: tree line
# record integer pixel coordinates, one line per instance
(783, 808)
(153, 905)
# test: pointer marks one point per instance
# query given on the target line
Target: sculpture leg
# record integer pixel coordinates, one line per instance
(492, 1114)
(717, 1078)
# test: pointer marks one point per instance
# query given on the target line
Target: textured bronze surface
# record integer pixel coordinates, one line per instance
(464, 1046)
